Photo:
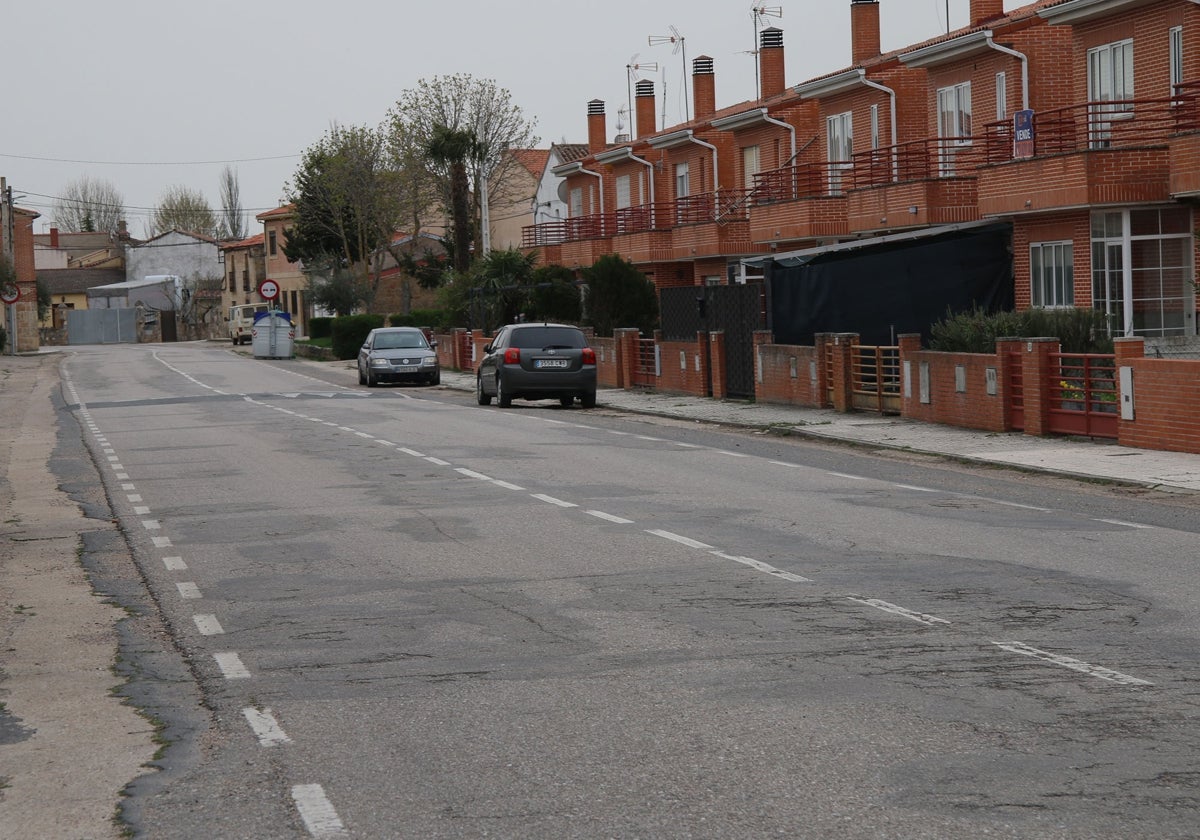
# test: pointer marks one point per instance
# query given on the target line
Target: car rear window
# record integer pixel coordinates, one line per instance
(542, 337)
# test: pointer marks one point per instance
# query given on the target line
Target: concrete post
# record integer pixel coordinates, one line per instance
(1035, 376)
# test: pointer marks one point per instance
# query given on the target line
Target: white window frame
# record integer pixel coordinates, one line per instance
(1175, 48)
(683, 185)
(874, 127)
(1001, 96)
(751, 165)
(839, 138)
(576, 197)
(954, 124)
(624, 192)
(1046, 289)
(1109, 80)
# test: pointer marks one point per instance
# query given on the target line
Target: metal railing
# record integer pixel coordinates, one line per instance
(875, 378)
(800, 181)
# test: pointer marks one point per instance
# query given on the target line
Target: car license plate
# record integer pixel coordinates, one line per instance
(551, 363)
(407, 369)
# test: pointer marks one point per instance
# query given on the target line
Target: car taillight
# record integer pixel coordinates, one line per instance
(512, 356)
(589, 356)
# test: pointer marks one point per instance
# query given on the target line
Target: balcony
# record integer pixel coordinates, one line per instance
(1111, 152)
(804, 201)
(1185, 143)
(709, 224)
(917, 184)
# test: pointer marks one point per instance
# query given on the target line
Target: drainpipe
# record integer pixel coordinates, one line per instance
(791, 132)
(1024, 68)
(862, 76)
(600, 178)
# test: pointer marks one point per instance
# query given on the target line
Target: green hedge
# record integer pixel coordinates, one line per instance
(320, 327)
(432, 318)
(1078, 330)
(350, 331)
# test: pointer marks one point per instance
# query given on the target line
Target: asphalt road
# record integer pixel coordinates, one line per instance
(393, 613)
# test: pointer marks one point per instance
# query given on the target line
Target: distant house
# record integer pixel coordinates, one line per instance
(68, 287)
(293, 282)
(398, 291)
(245, 267)
(529, 194)
(61, 249)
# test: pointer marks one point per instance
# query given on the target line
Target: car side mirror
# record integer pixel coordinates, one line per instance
(487, 348)
(433, 345)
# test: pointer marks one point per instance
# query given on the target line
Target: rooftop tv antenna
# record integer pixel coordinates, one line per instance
(761, 13)
(633, 73)
(678, 45)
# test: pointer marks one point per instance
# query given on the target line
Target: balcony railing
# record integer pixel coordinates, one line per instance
(801, 181)
(721, 207)
(1111, 124)
(920, 160)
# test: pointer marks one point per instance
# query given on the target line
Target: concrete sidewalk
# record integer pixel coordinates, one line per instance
(1170, 471)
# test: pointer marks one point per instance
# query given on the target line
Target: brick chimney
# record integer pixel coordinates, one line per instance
(984, 10)
(704, 87)
(597, 126)
(644, 106)
(770, 62)
(864, 30)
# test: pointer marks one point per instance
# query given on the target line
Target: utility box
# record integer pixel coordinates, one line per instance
(273, 335)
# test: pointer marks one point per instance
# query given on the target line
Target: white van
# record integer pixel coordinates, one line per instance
(241, 321)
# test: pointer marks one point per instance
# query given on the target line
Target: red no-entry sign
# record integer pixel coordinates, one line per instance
(268, 290)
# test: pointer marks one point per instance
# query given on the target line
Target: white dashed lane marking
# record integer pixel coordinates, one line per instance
(1073, 664)
(188, 590)
(231, 666)
(898, 610)
(318, 814)
(208, 625)
(682, 540)
(265, 727)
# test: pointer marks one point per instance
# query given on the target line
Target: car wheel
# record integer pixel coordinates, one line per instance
(480, 396)
(565, 402)
(588, 400)
(362, 380)
(371, 382)
(502, 399)
(436, 379)
(233, 340)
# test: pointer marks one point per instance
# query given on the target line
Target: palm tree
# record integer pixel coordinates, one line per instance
(450, 147)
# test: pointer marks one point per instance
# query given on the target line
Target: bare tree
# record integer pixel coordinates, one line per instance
(233, 221)
(182, 208)
(461, 102)
(87, 205)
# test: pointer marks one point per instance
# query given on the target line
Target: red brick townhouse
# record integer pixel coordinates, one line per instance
(1075, 121)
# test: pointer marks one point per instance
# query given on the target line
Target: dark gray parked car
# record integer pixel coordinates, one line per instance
(537, 362)
(398, 354)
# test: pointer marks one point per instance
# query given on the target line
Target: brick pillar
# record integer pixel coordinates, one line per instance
(716, 363)
(1005, 364)
(1035, 376)
(843, 346)
(1126, 349)
(759, 339)
(626, 339)
(821, 342)
(910, 348)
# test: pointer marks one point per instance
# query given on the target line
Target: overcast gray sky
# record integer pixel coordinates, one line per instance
(150, 94)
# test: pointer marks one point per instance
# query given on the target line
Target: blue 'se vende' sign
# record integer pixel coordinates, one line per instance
(1023, 145)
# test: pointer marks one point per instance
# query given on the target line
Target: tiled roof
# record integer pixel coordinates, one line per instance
(73, 281)
(279, 212)
(569, 152)
(532, 159)
(250, 242)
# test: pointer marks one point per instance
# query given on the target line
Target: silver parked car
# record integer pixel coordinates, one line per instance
(398, 354)
(537, 362)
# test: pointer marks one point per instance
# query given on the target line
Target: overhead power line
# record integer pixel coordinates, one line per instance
(149, 162)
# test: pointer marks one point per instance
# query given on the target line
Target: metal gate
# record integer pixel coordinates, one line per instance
(875, 378)
(648, 365)
(736, 310)
(1083, 394)
(102, 326)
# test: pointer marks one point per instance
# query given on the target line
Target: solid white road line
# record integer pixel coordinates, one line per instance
(667, 535)
(1123, 523)
(266, 729)
(914, 487)
(1073, 664)
(231, 666)
(318, 814)
(901, 611)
